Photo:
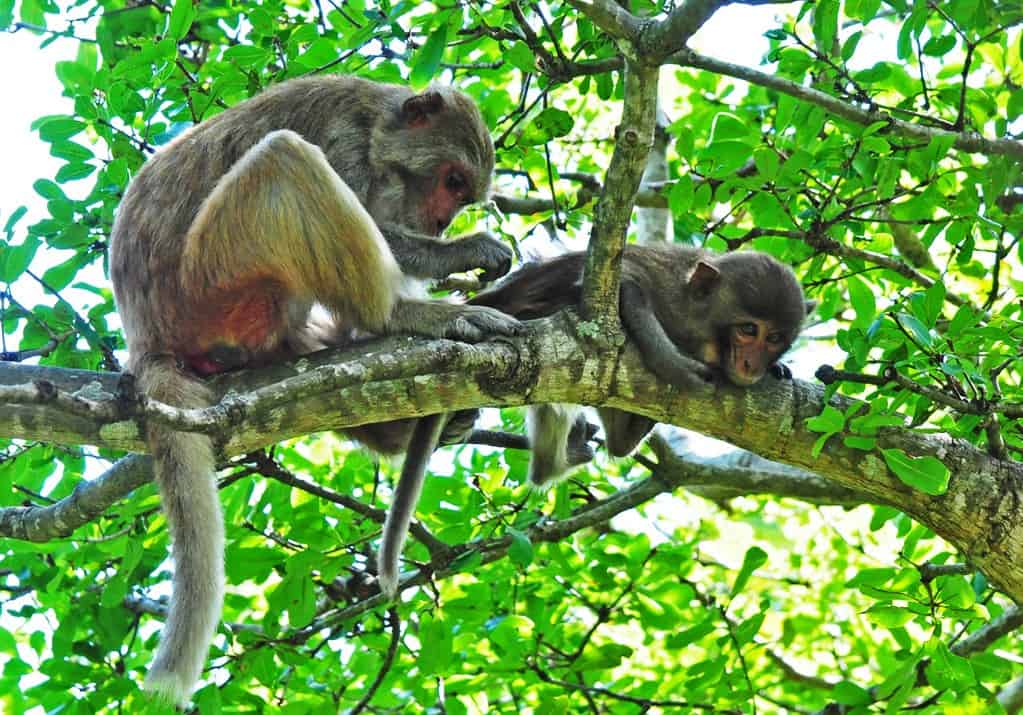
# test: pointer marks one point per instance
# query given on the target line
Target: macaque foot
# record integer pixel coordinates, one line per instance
(459, 426)
(473, 324)
(578, 450)
(466, 323)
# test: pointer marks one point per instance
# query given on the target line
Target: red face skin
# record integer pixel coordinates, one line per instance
(753, 348)
(452, 191)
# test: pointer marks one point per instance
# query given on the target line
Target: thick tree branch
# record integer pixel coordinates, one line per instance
(610, 17)
(981, 513)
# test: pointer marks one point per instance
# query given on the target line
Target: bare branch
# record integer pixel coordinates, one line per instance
(966, 141)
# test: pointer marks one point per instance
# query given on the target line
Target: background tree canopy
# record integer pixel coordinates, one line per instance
(874, 149)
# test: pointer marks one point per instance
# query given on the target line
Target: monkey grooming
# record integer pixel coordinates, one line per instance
(325, 190)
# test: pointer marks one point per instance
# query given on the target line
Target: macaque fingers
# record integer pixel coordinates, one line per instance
(282, 206)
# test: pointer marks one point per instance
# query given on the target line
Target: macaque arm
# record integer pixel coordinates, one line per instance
(282, 215)
(660, 354)
(423, 256)
(423, 442)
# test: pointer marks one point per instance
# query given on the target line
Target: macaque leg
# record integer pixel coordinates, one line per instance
(659, 352)
(623, 431)
(283, 217)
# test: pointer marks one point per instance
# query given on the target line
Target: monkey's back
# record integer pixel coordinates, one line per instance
(165, 196)
(541, 288)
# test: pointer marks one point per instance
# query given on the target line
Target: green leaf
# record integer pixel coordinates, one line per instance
(15, 259)
(6, 13)
(428, 58)
(680, 197)
(48, 190)
(547, 125)
(830, 420)
(181, 18)
(247, 56)
(754, 559)
(919, 331)
(890, 616)
(938, 46)
(727, 126)
(746, 631)
(825, 24)
(520, 56)
(320, 51)
(693, 634)
(71, 151)
(863, 302)
(946, 670)
(13, 219)
(520, 551)
(847, 693)
(437, 645)
(56, 128)
(73, 172)
(767, 162)
(926, 474)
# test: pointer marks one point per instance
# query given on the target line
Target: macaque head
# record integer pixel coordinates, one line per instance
(433, 158)
(756, 308)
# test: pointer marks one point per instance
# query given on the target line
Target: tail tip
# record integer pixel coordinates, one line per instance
(168, 688)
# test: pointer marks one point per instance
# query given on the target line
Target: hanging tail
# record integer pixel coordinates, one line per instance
(185, 476)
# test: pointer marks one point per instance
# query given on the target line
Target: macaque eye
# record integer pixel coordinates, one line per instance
(749, 329)
(776, 339)
(456, 182)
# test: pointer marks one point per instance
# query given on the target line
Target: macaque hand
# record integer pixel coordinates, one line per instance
(780, 371)
(482, 250)
(686, 373)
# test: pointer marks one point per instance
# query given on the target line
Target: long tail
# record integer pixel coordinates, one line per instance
(403, 504)
(549, 427)
(186, 480)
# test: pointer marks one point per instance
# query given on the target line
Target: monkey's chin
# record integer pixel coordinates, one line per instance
(743, 380)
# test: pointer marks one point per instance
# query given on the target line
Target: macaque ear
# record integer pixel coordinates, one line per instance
(703, 278)
(416, 111)
(811, 305)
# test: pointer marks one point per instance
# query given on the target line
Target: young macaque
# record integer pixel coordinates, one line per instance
(692, 313)
(324, 190)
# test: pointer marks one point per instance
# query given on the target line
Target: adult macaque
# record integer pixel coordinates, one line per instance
(225, 240)
(692, 314)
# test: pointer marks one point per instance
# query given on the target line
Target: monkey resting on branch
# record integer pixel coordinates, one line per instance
(226, 239)
(693, 315)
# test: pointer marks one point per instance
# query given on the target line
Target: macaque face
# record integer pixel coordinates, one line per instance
(752, 347)
(452, 190)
